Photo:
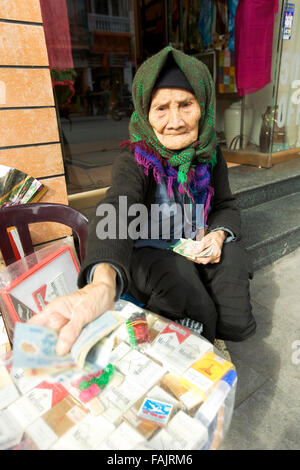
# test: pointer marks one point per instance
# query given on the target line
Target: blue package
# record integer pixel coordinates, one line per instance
(156, 411)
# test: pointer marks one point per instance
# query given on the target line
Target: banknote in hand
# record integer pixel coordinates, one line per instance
(34, 346)
(186, 247)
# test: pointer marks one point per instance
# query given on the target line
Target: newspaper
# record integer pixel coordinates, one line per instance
(34, 346)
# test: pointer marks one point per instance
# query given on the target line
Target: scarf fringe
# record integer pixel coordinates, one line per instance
(170, 184)
(184, 180)
(184, 189)
(147, 165)
(207, 203)
(143, 146)
(141, 160)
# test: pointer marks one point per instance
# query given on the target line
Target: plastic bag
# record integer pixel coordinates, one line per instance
(27, 285)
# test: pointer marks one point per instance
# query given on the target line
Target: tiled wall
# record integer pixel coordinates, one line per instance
(29, 136)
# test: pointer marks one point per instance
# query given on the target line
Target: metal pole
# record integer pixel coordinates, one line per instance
(180, 20)
(242, 123)
(276, 80)
(169, 20)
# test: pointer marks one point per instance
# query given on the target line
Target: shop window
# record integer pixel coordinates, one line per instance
(91, 49)
(101, 7)
(110, 7)
(257, 78)
(284, 112)
(95, 46)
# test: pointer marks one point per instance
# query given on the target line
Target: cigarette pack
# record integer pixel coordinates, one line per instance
(126, 309)
(64, 415)
(117, 399)
(156, 325)
(10, 432)
(189, 399)
(172, 383)
(36, 402)
(26, 443)
(183, 433)
(138, 330)
(53, 424)
(146, 428)
(205, 373)
(41, 434)
(140, 369)
(88, 434)
(176, 348)
(8, 390)
(157, 411)
(4, 341)
(23, 381)
(125, 437)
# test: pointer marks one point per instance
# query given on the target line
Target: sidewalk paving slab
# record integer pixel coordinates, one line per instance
(267, 408)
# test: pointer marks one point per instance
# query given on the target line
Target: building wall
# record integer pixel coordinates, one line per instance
(29, 135)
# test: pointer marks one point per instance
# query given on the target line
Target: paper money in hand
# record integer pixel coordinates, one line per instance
(187, 247)
(34, 346)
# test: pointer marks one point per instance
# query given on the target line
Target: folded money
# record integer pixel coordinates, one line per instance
(34, 346)
(186, 247)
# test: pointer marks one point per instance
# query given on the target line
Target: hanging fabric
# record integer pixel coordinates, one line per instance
(57, 34)
(206, 16)
(232, 6)
(58, 41)
(254, 25)
(221, 16)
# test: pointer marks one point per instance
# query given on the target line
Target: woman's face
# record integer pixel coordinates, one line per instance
(174, 115)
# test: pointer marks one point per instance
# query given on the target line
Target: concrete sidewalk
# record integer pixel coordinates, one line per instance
(267, 409)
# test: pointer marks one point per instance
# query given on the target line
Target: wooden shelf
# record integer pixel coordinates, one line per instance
(255, 158)
(227, 95)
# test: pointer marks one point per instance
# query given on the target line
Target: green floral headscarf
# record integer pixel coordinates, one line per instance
(201, 81)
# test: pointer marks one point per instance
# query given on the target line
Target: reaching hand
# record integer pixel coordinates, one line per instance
(70, 313)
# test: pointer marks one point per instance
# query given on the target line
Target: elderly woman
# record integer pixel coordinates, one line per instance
(172, 157)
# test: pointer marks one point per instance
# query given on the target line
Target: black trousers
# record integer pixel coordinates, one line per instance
(217, 295)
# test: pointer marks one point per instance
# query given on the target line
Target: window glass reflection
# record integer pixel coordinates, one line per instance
(92, 60)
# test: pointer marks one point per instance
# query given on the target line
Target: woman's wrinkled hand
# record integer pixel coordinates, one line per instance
(214, 240)
(69, 314)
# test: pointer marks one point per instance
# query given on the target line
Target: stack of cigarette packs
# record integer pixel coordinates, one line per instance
(153, 399)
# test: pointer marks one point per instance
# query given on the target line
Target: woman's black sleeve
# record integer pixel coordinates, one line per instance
(224, 210)
(129, 183)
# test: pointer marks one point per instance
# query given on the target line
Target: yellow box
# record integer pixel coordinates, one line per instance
(205, 373)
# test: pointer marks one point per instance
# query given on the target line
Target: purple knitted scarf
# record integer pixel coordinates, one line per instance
(198, 186)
